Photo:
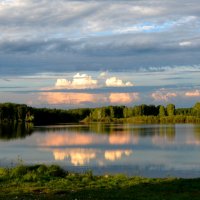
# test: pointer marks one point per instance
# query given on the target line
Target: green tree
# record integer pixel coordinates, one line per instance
(170, 109)
(127, 112)
(138, 110)
(22, 110)
(162, 111)
(112, 113)
(196, 109)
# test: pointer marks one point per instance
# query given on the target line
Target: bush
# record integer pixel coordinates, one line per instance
(3, 172)
(30, 177)
(18, 171)
(56, 171)
(42, 169)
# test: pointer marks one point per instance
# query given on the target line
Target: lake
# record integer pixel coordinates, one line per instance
(150, 150)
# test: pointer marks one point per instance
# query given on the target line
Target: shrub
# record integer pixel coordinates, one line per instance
(18, 171)
(56, 171)
(30, 177)
(3, 172)
(42, 169)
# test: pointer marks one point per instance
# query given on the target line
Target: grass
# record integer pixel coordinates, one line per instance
(51, 182)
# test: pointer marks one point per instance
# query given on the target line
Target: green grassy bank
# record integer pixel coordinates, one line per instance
(51, 182)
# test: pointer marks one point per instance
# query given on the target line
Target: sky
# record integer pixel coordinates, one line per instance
(72, 54)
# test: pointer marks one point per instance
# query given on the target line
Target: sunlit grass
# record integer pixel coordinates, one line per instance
(52, 182)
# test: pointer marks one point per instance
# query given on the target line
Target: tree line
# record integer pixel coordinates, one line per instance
(11, 112)
(145, 113)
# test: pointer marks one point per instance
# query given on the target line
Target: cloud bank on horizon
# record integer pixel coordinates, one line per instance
(107, 51)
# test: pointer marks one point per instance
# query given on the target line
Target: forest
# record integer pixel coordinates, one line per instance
(11, 112)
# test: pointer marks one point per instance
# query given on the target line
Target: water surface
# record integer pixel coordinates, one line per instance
(150, 150)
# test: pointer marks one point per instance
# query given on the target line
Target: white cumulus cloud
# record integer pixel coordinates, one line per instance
(115, 82)
(62, 83)
(80, 81)
(84, 81)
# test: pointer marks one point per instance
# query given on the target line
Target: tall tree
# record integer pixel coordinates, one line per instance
(170, 109)
(162, 111)
(196, 109)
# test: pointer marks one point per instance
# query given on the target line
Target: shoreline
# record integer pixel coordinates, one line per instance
(52, 182)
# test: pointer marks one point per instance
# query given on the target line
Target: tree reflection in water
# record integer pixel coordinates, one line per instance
(9, 131)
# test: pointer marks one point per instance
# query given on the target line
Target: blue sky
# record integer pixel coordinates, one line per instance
(68, 53)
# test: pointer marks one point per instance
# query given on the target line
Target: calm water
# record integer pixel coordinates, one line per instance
(146, 150)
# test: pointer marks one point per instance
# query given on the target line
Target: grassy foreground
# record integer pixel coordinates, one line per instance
(51, 182)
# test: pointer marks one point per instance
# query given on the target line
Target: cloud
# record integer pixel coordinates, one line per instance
(62, 83)
(138, 28)
(163, 95)
(84, 99)
(103, 74)
(80, 81)
(123, 98)
(70, 98)
(145, 10)
(122, 37)
(115, 82)
(56, 98)
(136, 34)
(185, 43)
(195, 93)
(83, 80)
